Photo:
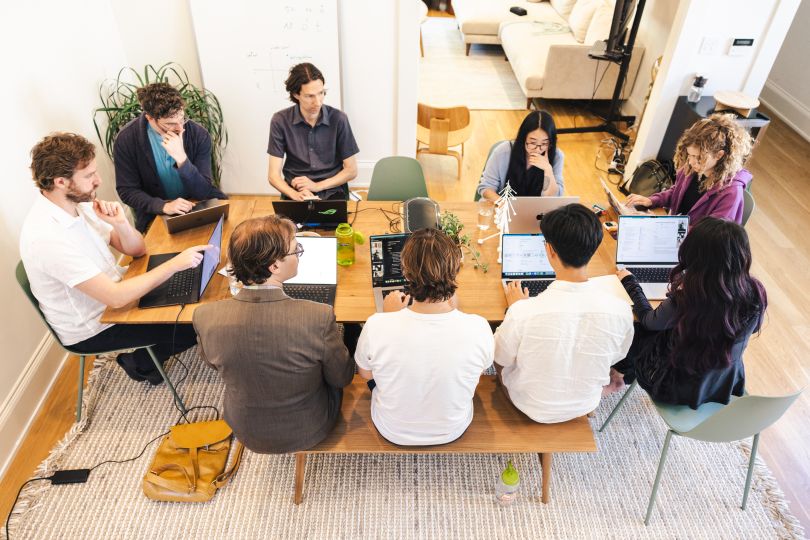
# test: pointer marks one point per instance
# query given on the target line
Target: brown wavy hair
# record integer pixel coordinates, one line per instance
(160, 100)
(710, 135)
(301, 74)
(59, 155)
(430, 263)
(256, 244)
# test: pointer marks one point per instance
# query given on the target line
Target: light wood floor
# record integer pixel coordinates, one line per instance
(777, 362)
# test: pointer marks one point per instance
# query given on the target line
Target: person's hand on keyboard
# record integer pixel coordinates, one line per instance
(396, 301)
(189, 258)
(515, 292)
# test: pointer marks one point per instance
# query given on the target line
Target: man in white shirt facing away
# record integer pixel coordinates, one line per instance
(64, 245)
(553, 352)
(425, 359)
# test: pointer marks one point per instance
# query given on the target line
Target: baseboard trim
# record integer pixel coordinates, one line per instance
(27, 397)
(789, 109)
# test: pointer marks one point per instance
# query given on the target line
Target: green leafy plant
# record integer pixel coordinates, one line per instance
(452, 227)
(120, 105)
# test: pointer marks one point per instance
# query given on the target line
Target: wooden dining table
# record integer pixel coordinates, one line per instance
(478, 292)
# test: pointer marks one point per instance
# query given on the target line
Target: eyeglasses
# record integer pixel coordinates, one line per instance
(299, 250)
(311, 97)
(537, 146)
(172, 124)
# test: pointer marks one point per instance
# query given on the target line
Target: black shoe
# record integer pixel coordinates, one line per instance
(129, 365)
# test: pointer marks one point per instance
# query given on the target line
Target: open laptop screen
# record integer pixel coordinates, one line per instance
(650, 239)
(212, 256)
(524, 256)
(318, 264)
(386, 249)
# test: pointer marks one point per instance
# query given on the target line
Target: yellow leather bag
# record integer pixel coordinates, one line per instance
(190, 463)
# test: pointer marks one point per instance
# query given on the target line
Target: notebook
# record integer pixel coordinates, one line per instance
(525, 260)
(386, 272)
(648, 246)
(187, 286)
(529, 211)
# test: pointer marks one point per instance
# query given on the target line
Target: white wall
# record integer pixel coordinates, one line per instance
(54, 57)
(787, 90)
(767, 21)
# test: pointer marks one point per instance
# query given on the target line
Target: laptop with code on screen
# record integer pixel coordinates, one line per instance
(648, 246)
(386, 271)
(525, 260)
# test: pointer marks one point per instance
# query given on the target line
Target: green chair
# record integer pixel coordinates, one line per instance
(397, 178)
(743, 417)
(25, 285)
(489, 155)
(748, 206)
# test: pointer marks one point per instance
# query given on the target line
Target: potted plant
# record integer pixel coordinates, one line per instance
(120, 105)
(452, 227)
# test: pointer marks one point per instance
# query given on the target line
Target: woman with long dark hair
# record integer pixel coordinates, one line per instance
(688, 351)
(532, 164)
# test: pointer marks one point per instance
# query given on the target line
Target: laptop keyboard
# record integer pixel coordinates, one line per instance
(651, 275)
(181, 284)
(535, 287)
(325, 294)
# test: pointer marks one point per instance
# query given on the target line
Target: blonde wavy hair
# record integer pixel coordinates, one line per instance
(710, 135)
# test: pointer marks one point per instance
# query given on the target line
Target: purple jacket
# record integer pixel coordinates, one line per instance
(726, 202)
(136, 178)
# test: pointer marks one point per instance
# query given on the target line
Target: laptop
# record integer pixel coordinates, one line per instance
(386, 272)
(619, 207)
(529, 211)
(202, 213)
(313, 214)
(647, 246)
(524, 259)
(317, 270)
(187, 286)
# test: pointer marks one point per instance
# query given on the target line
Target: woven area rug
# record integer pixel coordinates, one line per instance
(599, 495)
(483, 80)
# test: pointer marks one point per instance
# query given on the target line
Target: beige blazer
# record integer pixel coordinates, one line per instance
(283, 362)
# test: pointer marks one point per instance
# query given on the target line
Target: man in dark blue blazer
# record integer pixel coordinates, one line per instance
(162, 159)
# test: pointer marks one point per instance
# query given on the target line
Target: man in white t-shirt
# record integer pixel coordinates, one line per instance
(425, 359)
(553, 352)
(64, 245)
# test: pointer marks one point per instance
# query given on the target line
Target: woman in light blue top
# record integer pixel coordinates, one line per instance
(524, 163)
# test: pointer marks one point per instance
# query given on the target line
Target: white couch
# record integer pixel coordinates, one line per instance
(548, 47)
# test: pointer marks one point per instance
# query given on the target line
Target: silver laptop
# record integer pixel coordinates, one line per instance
(386, 272)
(524, 259)
(529, 211)
(619, 207)
(317, 271)
(647, 246)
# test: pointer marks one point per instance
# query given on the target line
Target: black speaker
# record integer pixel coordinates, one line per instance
(420, 213)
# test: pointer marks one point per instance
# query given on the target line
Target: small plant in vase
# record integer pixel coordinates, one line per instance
(452, 226)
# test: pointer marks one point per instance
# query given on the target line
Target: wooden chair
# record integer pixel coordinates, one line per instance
(442, 129)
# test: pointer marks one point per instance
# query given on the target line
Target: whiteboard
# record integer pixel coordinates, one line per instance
(246, 49)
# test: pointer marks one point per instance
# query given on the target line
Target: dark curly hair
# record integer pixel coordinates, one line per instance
(301, 74)
(256, 244)
(59, 155)
(160, 100)
(430, 263)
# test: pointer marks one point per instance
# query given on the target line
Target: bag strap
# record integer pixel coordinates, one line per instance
(154, 477)
(225, 477)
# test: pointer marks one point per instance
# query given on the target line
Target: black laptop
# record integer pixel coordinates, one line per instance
(202, 213)
(313, 214)
(188, 286)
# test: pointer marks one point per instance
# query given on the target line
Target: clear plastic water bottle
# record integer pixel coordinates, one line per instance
(696, 92)
(506, 489)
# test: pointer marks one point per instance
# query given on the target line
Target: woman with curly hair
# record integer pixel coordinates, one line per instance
(711, 178)
(688, 350)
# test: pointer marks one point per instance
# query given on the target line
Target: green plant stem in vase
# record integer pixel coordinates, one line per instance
(452, 227)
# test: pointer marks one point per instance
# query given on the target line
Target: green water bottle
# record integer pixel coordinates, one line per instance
(345, 244)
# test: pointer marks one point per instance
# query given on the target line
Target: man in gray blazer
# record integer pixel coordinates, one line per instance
(283, 361)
